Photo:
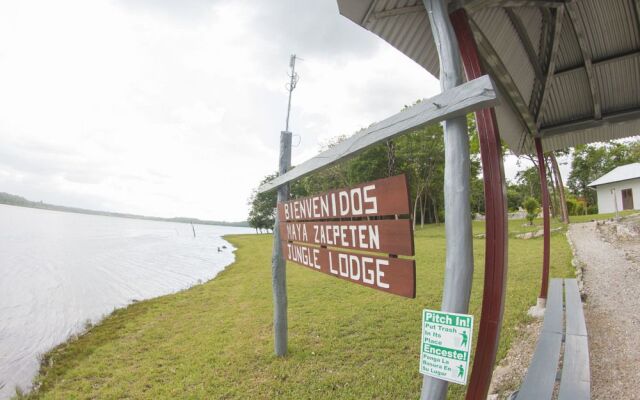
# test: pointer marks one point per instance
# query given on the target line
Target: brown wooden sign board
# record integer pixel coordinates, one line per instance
(391, 236)
(316, 229)
(393, 275)
(388, 196)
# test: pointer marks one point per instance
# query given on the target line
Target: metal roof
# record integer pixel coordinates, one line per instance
(570, 70)
(621, 173)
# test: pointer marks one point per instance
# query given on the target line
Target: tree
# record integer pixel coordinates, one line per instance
(533, 207)
(557, 178)
(262, 212)
(263, 205)
(592, 161)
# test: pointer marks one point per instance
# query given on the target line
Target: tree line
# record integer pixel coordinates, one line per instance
(420, 155)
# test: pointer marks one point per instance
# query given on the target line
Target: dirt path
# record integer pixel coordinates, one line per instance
(610, 254)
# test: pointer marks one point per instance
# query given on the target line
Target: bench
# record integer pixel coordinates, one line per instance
(561, 325)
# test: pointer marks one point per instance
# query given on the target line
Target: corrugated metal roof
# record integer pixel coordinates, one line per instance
(495, 25)
(621, 173)
(569, 98)
(593, 95)
(569, 54)
(612, 27)
(620, 83)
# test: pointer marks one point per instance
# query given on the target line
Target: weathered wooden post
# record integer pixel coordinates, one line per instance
(459, 253)
(278, 262)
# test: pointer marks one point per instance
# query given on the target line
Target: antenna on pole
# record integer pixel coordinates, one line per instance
(293, 81)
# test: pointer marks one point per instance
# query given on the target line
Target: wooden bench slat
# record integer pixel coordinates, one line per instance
(574, 314)
(541, 375)
(553, 312)
(575, 383)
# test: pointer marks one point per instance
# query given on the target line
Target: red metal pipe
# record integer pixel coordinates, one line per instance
(544, 190)
(495, 278)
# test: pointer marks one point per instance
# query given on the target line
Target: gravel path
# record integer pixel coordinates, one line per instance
(610, 255)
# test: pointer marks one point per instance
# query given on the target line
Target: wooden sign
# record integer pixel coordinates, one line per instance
(315, 231)
(393, 275)
(391, 236)
(387, 196)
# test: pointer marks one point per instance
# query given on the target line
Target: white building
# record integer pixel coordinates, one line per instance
(621, 186)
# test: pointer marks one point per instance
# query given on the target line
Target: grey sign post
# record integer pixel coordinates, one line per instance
(278, 263)
(459, 254)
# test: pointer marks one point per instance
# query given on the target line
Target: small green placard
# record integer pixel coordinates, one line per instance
(446, 345)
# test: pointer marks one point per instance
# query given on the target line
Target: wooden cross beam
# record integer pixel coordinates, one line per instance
(473, 95)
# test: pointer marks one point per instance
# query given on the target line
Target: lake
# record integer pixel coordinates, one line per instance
(62, 271)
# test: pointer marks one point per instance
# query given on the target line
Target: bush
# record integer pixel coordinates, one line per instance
(579, 207)
(533, 207)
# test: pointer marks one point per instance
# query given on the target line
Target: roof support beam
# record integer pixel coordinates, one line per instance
(606, 119)
(637, 4)
(367, 15)
(475, 5)
(545, 44)
(398, 11)
(526, 42)
(501, 73)
(604, 61)
(555, 44)
(578, 26)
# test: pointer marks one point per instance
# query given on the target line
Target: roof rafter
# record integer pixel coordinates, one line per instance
(504, 78)
(366, 16)
(526, 41)
(579, 28)
(555, 44)
(589, 123)
(604, 61)
(637, 4)
(544, 45)
(475, 5)
(398, 11)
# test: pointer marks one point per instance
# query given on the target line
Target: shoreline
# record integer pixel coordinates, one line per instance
(43, 339)
(215, 340)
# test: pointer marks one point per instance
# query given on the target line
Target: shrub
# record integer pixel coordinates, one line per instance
(533, 207)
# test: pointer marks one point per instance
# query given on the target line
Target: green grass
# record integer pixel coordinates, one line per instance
(214, 341)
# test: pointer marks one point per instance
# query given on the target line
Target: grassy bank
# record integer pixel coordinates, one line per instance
(214, 341)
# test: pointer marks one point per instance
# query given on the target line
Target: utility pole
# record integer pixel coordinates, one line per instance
(278, 262)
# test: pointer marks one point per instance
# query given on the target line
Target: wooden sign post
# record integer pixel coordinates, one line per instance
(320, 232)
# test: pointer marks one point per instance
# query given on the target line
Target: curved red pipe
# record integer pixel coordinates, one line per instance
(544, 192)
(495, 278)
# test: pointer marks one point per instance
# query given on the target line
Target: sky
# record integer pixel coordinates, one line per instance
(174, 108)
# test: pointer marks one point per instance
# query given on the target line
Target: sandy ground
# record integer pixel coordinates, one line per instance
(608, 254)
(610, 257)
(509, 374)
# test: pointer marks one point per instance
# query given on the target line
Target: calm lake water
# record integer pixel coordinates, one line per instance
(59, 271)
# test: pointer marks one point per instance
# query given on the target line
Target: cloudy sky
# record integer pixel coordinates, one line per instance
(174, 108)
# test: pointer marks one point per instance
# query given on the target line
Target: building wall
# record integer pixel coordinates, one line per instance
(605, 197)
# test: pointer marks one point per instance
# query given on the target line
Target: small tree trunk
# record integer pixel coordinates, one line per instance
(415, 210)
(556, 173)
(423, 207)
(435, 211)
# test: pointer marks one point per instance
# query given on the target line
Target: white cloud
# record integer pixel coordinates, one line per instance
(175, 108)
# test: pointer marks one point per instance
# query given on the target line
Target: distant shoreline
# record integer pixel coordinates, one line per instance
(13, 200)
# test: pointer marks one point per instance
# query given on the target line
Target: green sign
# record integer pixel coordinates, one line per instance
(446, 345)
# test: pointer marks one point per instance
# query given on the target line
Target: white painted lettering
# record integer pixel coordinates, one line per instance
(372, 200)
(344, 203)
(380, 273)
(356, 206)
